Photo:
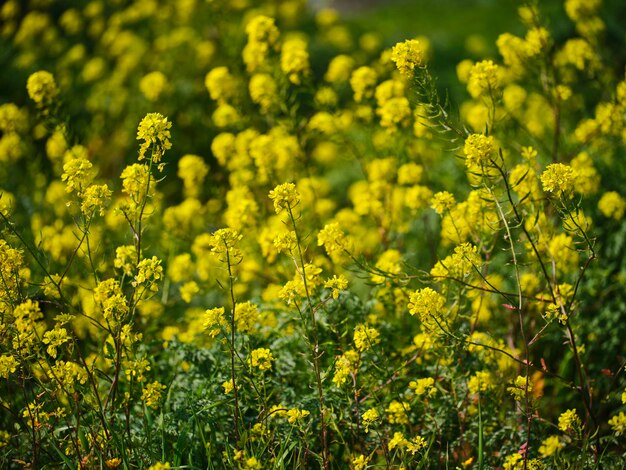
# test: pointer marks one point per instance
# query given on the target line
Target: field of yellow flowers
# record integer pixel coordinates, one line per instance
(253, 235)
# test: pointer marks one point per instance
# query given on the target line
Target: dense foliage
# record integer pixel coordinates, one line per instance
(247, 235)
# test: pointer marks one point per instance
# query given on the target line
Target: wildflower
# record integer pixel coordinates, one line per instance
(397, 412)
(224, 243)
(612, 204)
(478, 150)
(416, 444)
(125, 258)
(55, 338)
(153, 85)
(425, 386)
(481, 381)
(339, 69)
(398, 440)
(370, 417)
(483, 79)
(78, 174)
(427, 304)
(442, 201)
(108, 294)
(285, 241)
(618, 423)
(226, 115)
(408, 56)
(294, 60)
(333, 239)
(569, 421)
(294, 415)
(550, 446)
(192, 169)
(154, 130)
(8, 365)
(365, 338)
(337, 284)
(188, 290)
(95, 197)
(396, 112)
(113, 463)
(151, 394)
(360, 462)
(261, 358)
(220, 84)
(263, 91)
(228, 386)
(160, 466)
(519, 389)
(42, 88)
(214, 321)
(262, 29)
(148, 272)
(345, 365)
(363, 81)
(285, 196)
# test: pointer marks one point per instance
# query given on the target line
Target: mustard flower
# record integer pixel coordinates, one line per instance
(220, 84)
(360, 462)
(394, 113)
(294, 60)
(125, 258)
(337, 284)
(426, 304)
(613, 205)
(339, 69)
(262, 28)
(550, 446)
(154, 130)
(95, 197)
(285, 196)
(442, 201)
(263, 91)
(108, 294)
(192, 169)
(78, 174)
(224, 244)
(365, 337)
(618, 423)
(160, 466)
(478, 150)
(398, 440)
(518, 389)
(397, 412)
(408, 56)
(215, 322)
(345, 365)
(363, 81)
(425, 386)
(483, 79)
(151, 394)
(55, 338)
(294, 415)
(153, 85)
(416, 444)
(149, 271)
(481, 381)
(42, 88)
(8, 365)
(370, 417)
(569, 421)
(261, 358)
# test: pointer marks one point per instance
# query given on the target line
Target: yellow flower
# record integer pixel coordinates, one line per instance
(365, 338)
(153, 85)
(294, 60)
(151, 394)
(483, 79)
(408, 56)
(550, 446)
(370, 417)
(261, 358)
(154, 130)
(478, 150)
(442, 201)
(569, 421)
(285, 196)
(612, 204)
(42, 88)
(618, 423)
